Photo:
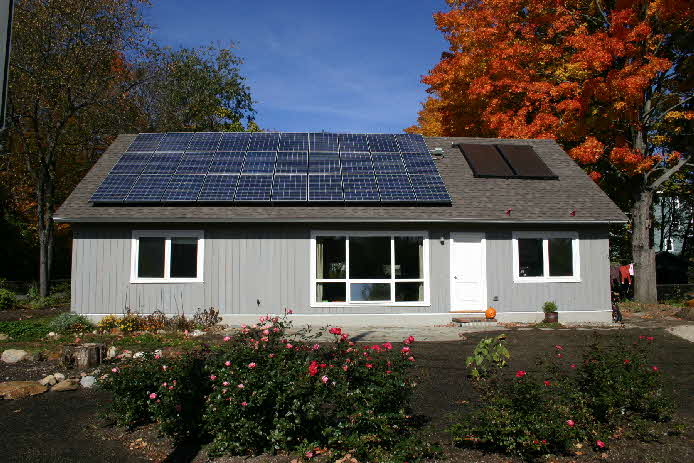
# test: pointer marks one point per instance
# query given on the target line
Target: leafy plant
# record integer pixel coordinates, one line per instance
(32, 329)
(549, 307)
(489, 357)
(8, 300)
(205, 319)
(108, 323)
(69, 322)
(130, 322)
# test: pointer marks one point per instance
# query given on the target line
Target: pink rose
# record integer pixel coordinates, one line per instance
(335, 331)
(153, 396)
(409, 340)
(227, 338)
(558, 347)
(240, 386)
(650, 338)
(164, 367)
(405, 350)
(309, 454)
(324, 379)
(600, 444)
(344, 367)
(243, 404)
(388, 372)
(114, 370)
(411, 359)
(213, 377)
(290, 311)
(572, 365)
(368, 365)
(271, 355)
(547, 383)
(252, 365)
(387, 346)
(654, 368)
(275, 330)
(570, 423)
(289, 345)
(266, 332)
(520, 374)
(227, 363)
(316, 347)
(225, 383)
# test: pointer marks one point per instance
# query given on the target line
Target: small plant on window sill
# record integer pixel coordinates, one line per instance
(550, 310)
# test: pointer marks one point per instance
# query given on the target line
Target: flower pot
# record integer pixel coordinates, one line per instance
(551, 317)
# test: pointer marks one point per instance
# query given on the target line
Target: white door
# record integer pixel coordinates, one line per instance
(468, 271)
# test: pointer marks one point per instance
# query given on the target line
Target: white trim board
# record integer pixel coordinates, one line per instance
(545, 236)
(167, 235)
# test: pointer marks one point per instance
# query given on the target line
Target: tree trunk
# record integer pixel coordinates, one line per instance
(643, 254)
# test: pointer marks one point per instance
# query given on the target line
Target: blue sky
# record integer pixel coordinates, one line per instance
(318, 65)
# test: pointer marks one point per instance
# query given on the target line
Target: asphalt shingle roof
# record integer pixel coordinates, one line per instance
(474, 199)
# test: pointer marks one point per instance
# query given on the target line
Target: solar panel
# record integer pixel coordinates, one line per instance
(234, 141)
(383, 143)
(360, 187)
(411, 143)
(227, 162)
(525, 162)
(429, 188)
(131, 163)
(263, 141)
(395, 187)
(419, 164)
(204, 141)
(183, 188)
(175, 142)
(114, 188)
(293, 142)
(388, 163)
(163, 163)
(324, 163)
(325, 187)
(254, 188)
(146, 142)
(353, 142)
(291, 163)
(323, 142)
(259, 162)
(218, 188)
(198, 163)
(148, 188)
(290, 187)
(357, 163)
(485, 161)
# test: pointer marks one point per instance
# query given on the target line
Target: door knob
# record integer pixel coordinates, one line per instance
(455, 277)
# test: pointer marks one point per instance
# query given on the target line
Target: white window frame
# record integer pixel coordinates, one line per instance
(167, 235)
(392, 280)
(545, 236)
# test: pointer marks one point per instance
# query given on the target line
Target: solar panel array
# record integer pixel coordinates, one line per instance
(274, 167)
(505, 161)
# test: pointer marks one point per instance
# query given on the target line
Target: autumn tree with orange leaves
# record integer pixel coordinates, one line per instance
(611, 81)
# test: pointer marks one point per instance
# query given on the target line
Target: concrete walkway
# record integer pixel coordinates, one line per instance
(683, 331)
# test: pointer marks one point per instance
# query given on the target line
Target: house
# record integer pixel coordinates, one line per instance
(510, 224)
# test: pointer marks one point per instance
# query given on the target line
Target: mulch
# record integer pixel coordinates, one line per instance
(65, 426)
(24, 314)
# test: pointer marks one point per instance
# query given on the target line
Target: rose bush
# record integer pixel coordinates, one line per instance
(260, 392)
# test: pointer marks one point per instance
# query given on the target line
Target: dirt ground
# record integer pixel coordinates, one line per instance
(64, 427)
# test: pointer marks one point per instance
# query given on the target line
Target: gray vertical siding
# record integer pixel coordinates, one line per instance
(591, 293)
(261, 269)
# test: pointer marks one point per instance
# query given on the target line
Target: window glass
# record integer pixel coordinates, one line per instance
(409, 257)
(150, 260)
(184, 257)
(530, 262)
(369, 257)
(362, 292)
(330, 257)
(560, 257)
(331, 292)
(409, 292)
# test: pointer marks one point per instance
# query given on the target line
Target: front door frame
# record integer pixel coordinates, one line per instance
(483, 257)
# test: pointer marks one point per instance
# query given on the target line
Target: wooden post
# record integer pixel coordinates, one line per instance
(83, 356)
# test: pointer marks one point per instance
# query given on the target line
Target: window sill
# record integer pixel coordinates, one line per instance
(367, 305)
(546, 280)
(166, 281)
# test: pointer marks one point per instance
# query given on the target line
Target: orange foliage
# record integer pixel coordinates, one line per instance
(551, 69)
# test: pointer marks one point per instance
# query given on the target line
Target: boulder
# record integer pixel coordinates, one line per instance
(15, 355)
(111, 353)
(88, 382)
(197, 333)
(67, 385)
(59, 377)
(48, 381)
(19, 389)
(687, 313)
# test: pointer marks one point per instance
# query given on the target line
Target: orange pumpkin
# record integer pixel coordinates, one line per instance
(490, 313)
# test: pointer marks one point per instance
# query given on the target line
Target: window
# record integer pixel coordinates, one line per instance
(369, 268)
(545, 257)
(167, 256)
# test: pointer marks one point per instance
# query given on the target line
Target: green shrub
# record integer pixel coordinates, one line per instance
(32, 329)
(565, 404)
(259, 392)
(549, 307)
(488, 358)
(7, 299)
(68, 322)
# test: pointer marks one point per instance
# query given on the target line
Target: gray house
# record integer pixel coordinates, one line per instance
(341, 229)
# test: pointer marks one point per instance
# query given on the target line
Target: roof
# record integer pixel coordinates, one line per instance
(475, 200)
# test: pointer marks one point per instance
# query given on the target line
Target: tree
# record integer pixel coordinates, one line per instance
(611, 81)
(68, 95)
(199, 89)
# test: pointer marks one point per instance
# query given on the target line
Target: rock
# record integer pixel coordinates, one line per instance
(19, 389)
(138, 355)
(48, 381)
(687, 313)
(158, 352)
(4, 337)
(15, 355)
(111, 353)
(88, 382)
(51, 335)
(59, 377)
(67, 385)
(196, 333)
(161, 331)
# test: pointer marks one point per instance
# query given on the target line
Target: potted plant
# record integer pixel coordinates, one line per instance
(550, 310)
